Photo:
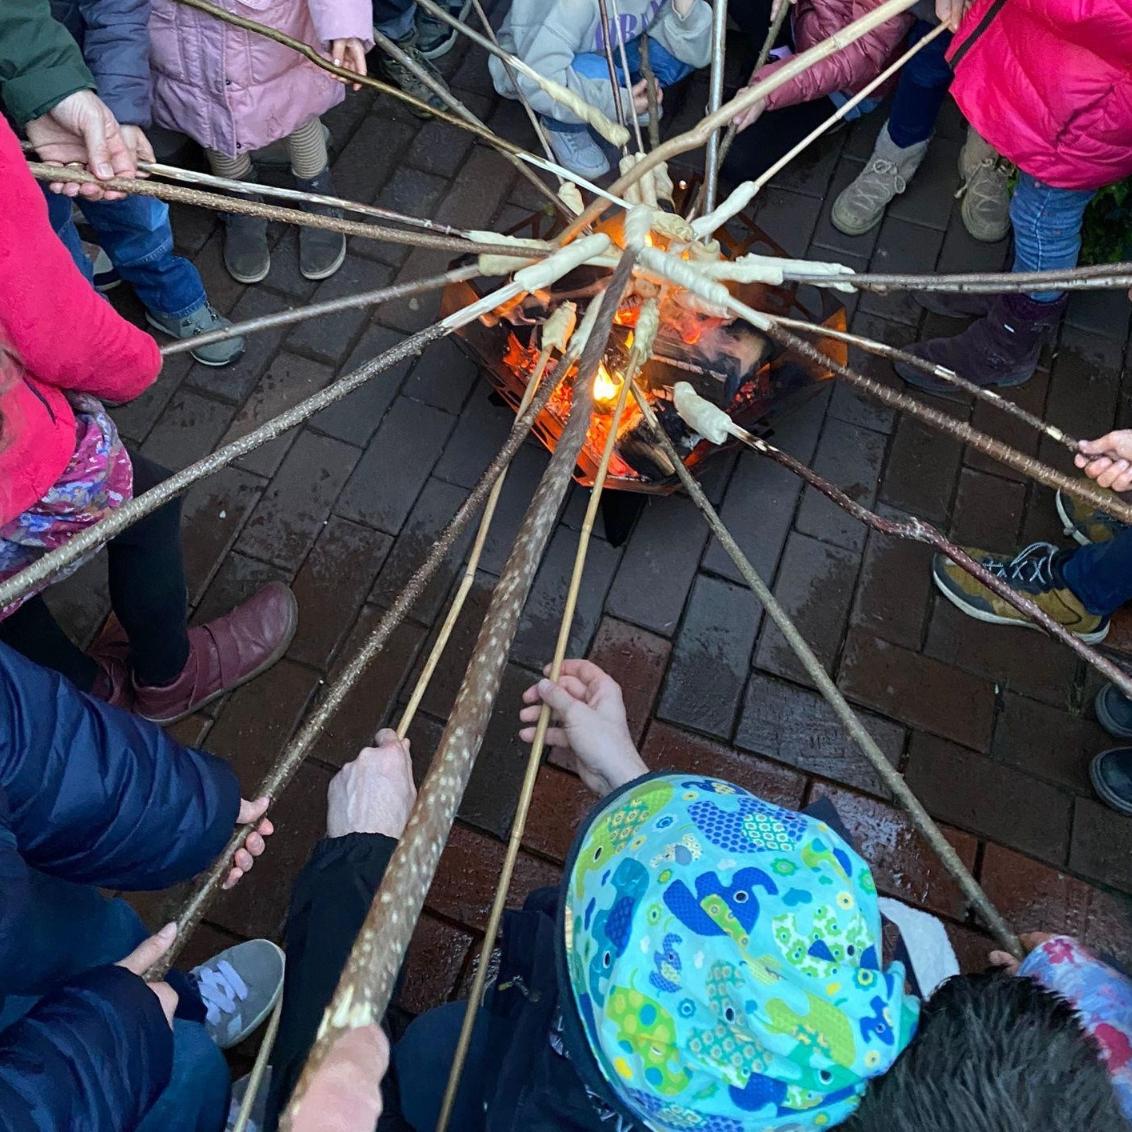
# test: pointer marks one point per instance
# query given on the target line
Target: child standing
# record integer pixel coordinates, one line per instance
(566, 42)
(234, 91)
(134, 232)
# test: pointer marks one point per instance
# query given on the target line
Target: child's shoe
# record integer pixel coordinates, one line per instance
(576, 149)
(320, 252)
(201, 320)
(860, 206)
(395, 72)
(985, 210)
(246, 255)
(434, 37)
(224, 654)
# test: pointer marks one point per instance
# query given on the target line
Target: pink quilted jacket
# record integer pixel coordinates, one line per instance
(1049, 84)
(847, 70)
(235, 91)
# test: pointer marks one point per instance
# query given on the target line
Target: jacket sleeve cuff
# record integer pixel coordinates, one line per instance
(33, 95)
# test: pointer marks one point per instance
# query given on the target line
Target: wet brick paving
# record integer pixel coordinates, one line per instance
(992, 726)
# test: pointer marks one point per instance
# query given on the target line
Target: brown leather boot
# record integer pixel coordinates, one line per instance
(224, 654)
(111, 652)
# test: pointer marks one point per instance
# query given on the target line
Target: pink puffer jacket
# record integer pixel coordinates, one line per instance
(847, 70)
(1049, 84)
(233, 90)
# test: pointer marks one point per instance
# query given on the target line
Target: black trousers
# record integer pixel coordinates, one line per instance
(147, 592)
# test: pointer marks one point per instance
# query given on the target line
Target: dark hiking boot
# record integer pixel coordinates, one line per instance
(1084, 523)
(1114, 712)
(1111, 775)
(320, 252)
(246, 255)
(224, 654)
(395, 72)
(954, 304)
(1033, 573)
(435, 37)
(999, 351)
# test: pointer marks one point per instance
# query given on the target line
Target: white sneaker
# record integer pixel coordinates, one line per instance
(239, 987)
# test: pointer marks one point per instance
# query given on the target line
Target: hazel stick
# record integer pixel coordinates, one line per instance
(891, 777)
(1095, 277)
(366, 984)
(712, 155)
(534, 759)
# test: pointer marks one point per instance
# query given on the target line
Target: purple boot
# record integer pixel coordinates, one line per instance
(998, 351)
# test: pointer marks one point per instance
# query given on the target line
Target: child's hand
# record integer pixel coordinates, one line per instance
(351, 54)
(749, 116)
(641, 97)
(1108, 459)
(1029, 941)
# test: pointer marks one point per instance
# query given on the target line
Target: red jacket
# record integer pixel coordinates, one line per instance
(56, 333)
(847, 70)
(1049, 84)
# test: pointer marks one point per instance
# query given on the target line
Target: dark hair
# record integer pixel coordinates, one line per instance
(993, 1053)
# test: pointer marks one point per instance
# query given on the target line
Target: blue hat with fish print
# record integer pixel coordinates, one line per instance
(723, 961)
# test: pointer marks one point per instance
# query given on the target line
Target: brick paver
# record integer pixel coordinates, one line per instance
(992, 726)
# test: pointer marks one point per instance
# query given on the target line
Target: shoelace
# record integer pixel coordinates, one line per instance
(1030, 568)
(998, 167)
(879, 189)
(221, 990)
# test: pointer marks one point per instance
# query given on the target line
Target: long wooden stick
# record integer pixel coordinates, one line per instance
(712, 155)
(625, 73)
(888, 774)
(182, 194)
(699, 134)
(1107, 276)
(893, 353)
(364, 990)
(534, 759)
(259, 1069)
(469, 576)
(614, 86)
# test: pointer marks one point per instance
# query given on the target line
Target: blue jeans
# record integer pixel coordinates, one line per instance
(136, 235)
(1047, 227)
(667, 68)
(1101, 574)
(73, 928)
(921, 89)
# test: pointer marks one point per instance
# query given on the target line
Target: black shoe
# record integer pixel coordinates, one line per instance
(1114, 712)
(246, 255)
(1111, 774)
(954, 304)
(320, 252)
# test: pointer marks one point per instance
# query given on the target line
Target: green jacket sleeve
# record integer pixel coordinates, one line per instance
(40, 64)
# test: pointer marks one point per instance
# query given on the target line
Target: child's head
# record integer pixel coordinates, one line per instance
(993, 1053)
(721, 962)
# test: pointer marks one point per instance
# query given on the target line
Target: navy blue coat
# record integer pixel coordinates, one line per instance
(93, 795)
(113, 36)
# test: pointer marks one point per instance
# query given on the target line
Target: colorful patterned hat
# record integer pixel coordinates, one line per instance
(724, 961)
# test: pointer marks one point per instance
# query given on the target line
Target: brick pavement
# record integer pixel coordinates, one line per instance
(992, 726)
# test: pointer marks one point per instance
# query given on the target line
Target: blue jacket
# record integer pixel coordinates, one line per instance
(113, 36)
(93, 795)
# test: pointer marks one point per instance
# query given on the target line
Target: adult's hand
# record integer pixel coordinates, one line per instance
(1108, 459)
(138, 145)
(345, 1094)
(144, 956)
(374, 793)
(251, 813)
(951, 12)
(588, 721)
(80, 130)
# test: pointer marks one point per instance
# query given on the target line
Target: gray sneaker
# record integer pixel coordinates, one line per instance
(860, 205)
(239, 988)
(576, 149)
(393, 71)
(985, 209)
(200, 321)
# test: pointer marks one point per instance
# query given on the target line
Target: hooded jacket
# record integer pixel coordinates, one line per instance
(97, 796)
(1049, 84)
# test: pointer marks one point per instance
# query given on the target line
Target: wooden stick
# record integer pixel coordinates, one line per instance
(712, 156)
(615, 90)
(698, 135)
(651, 87)
(181, 194)
(888, 774)
(882, 349)
(1096, 277)
(534, 759)
(473, 562)
(366, 984)
(917, 530)
(259, 1069)
(626, 73)
(317, 310)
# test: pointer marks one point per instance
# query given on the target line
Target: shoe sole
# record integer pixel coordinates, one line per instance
(262, 1015)
(1105, 719)
(273, 658)
(1100, 788)
(1079, 537)
(988, 618)
(846, 230)
(326, 272)
(192, 353)
(259, 277)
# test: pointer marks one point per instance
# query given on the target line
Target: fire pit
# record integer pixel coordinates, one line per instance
(730, 363)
